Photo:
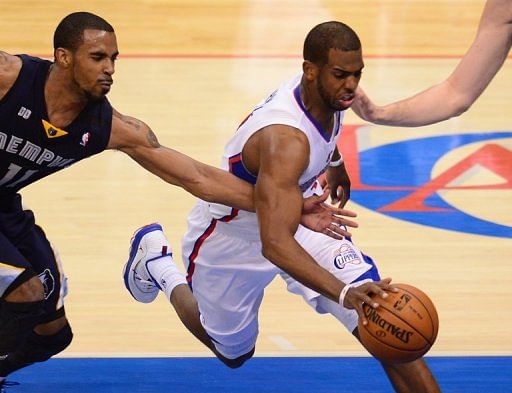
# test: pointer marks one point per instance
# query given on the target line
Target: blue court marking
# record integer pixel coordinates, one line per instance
(409, 164)
(259, 375)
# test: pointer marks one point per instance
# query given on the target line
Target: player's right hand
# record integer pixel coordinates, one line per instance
(357, 295)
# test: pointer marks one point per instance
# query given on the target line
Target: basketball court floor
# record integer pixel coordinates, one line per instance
(433, 203)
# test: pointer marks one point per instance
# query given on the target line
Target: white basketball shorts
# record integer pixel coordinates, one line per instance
(228, 274)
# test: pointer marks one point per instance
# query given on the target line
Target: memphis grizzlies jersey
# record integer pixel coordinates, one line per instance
(30, 146)
(284, 106)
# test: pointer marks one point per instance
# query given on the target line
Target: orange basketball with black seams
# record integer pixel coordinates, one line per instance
(403, 328)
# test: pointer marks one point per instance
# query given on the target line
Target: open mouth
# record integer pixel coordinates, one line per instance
(346, 100)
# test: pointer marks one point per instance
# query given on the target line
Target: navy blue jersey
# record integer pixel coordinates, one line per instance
(30, 146)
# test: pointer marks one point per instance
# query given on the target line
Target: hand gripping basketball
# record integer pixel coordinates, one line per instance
(353, 297)
(403, 328)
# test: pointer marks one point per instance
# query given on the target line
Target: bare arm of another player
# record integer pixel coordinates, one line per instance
(136, 139)
(9, 69)
(457, 93)
(283, 155)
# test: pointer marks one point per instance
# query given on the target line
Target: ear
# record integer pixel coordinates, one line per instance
(63, 57)
(310, 70)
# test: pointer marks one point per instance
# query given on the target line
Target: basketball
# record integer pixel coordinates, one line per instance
(402, 328)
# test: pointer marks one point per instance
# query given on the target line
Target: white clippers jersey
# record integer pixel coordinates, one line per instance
(284, 106)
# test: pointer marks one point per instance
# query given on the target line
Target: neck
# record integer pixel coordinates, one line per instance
(63, 99)
(316, 107)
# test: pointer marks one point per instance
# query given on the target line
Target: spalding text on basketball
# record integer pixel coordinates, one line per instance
(401, 334)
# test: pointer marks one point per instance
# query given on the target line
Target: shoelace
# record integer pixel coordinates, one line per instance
(145, 284)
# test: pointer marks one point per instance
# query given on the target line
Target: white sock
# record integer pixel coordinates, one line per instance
(166, 274)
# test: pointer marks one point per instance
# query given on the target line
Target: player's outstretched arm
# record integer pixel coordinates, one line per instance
(209, 183)
(460, 90)
(327, 219)
(136, 139)
(10, 67)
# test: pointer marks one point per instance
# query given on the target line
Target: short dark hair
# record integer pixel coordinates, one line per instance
(329, 35)
(69, 33)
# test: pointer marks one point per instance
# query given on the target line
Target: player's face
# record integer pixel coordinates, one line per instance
(93, 63)
(338, 79)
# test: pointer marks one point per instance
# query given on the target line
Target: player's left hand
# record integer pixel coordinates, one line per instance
(337, 179)
(329, 220)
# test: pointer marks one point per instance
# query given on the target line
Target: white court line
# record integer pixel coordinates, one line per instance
(282, 343)
(264, 354)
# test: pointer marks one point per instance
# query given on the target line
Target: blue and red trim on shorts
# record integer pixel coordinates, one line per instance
(199, 242)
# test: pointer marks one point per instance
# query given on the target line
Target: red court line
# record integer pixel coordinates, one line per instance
(221, 56)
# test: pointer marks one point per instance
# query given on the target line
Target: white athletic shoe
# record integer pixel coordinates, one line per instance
(147, 244)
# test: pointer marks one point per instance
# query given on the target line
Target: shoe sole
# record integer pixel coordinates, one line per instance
(135, 241)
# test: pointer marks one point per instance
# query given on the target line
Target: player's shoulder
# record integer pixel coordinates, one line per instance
(10, 67)
(9, 63)
(127, 123)
(281, 103)
(285, 134)
(127, 131)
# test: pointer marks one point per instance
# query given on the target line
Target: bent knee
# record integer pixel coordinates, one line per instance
(44, 347)
(17, 319)
(52, 327)
(60, 340)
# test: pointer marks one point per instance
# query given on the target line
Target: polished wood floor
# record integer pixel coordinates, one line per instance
(193, 70)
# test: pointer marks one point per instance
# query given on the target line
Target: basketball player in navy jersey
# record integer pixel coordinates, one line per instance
(51, 116)
(282, 148)
(460, 90)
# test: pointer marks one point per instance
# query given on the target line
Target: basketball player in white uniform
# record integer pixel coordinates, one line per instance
(231, 256)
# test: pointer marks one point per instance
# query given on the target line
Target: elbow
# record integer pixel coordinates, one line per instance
(458, 99)
(268, 252)
(460, 106)
(271, 248)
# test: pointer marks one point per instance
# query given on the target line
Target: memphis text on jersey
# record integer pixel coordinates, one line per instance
(32, 152)
(27, 150)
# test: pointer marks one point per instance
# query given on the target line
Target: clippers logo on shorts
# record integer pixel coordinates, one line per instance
(443, 181)
(400, 303)
(48, 282)
(345, 254)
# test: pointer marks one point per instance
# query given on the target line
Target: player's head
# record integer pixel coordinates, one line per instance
(85, 45)
(333, 62)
